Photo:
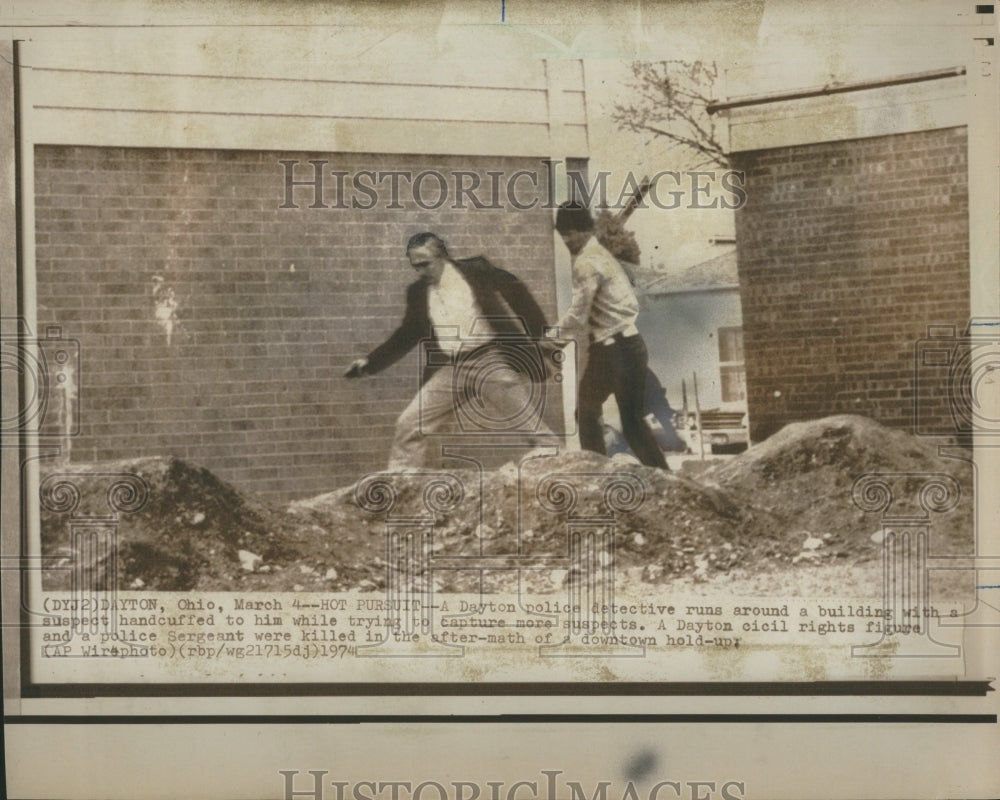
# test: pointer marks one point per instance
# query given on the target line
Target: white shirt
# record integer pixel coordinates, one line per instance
(603, 300)
(452, 306)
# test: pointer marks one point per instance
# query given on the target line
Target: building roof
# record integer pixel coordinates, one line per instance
(715, 273)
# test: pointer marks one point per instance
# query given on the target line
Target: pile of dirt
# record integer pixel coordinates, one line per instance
(796, 487)
(181, 528)
(786, 500)
(660, 524)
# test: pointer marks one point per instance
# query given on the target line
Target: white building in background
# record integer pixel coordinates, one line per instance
(692, 324)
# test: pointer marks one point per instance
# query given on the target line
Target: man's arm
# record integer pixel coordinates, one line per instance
(586, 282)
(399, 343)
(522, 302)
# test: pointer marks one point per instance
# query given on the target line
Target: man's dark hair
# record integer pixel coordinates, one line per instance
(420, 239)
(572, 216)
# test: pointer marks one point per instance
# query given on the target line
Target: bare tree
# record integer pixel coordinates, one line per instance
(671, 99)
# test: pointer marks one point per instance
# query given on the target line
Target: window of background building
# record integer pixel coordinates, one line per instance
(732, 370)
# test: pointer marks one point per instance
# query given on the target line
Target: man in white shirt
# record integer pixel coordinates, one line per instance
(479, 321)
(605, 307)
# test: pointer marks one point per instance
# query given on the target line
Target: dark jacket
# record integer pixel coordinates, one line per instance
(501, 297)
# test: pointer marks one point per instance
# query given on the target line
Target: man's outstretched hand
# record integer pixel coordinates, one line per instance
(357, 368)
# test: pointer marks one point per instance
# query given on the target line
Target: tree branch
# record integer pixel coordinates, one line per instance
(670, 100)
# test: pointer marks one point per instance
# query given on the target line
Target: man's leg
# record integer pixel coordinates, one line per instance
(509, 402)
(431, 409)
(657, 404)
(595, 387)
(630, 361)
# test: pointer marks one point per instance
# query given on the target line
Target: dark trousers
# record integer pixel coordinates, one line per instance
(618, 368)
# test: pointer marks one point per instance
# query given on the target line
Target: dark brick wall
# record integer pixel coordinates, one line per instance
(271, 304)
(847, 252)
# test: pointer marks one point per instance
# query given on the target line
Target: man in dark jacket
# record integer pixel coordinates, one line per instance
(479, 324)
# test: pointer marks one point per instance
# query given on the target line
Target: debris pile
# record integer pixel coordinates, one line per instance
(786, 501)
(796, 487)
(189, 531)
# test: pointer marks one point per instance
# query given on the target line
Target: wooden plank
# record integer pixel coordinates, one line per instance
(250, 132)
(69, 89)
(298, 53)
(880, 112)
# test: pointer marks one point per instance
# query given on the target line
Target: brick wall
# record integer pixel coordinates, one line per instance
(847, 252)
(267, 305)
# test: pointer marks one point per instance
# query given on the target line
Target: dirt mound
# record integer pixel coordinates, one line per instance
(850, 445)
(197, 532)
(788, 499)
(661, 525)
(179, 528)
(797, 485)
